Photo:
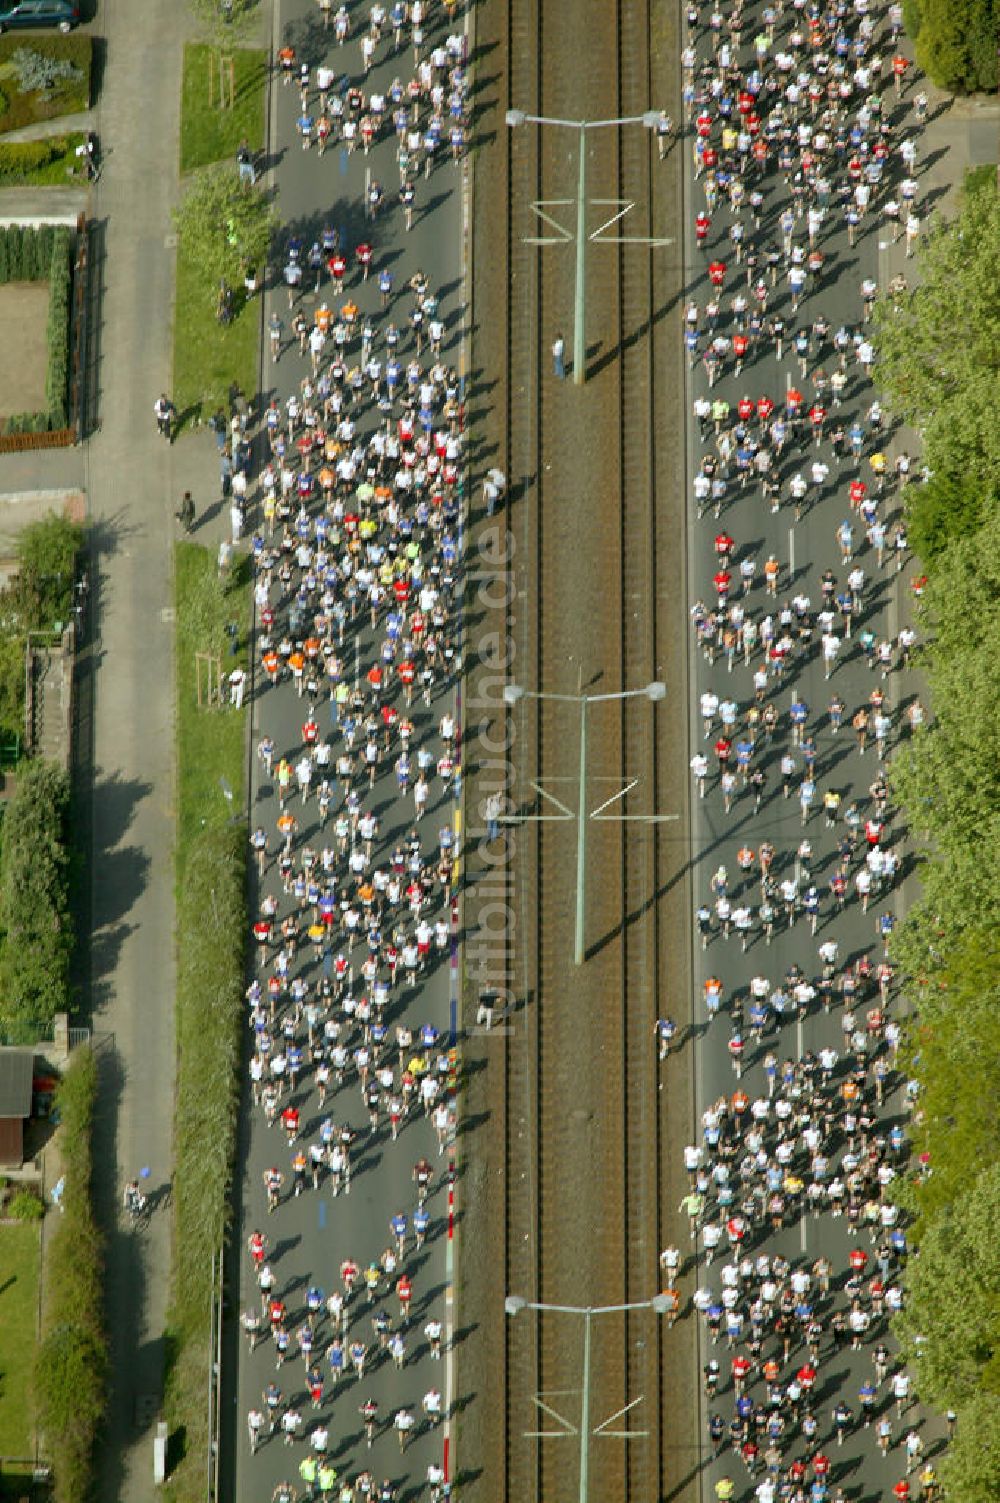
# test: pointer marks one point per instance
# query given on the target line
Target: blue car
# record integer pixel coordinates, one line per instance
(17, 14)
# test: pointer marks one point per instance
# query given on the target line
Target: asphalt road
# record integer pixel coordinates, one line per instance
(311, 1236)
(804, 548)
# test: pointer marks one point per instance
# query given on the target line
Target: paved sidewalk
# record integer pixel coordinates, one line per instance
(131, 480)
(63, 126)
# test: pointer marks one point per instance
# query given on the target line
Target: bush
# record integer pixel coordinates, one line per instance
(15, 262)
(40, 72)
(34, 905)
(25, 1206)
(18, 158)
(57, 334)
(71, 1363)
(41, 592)
(43, 243)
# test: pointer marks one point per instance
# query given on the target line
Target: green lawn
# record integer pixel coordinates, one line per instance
(51, 162)
(18, 110)
(208, 358)
(210, 742)
(208, 133)
(19, 1262)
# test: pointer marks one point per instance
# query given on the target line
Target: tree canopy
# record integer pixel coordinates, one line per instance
(938, 348)
(939, 364)
(224, 224)
(956, 42)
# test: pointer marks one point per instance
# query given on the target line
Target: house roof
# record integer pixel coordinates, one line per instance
(17, 1066)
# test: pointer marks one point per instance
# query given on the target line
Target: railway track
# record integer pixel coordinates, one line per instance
(582, 1120)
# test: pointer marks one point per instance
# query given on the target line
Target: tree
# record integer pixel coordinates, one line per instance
(952, 1051)
(41, 592)
(933, 340)
(939, 359)
(956, 43)
(950, 1326)
(223, 225)
(971, 1465)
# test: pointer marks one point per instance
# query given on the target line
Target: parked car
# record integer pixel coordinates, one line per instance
(15, 14)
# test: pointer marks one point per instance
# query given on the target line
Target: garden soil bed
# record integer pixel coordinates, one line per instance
(24, 312)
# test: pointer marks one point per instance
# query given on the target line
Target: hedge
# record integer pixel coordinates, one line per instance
(71, 1364)
(38, 254)
(211, 934)
(57, 334)
(34, 905)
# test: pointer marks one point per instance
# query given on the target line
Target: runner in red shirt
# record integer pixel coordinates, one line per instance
(337, 267)
(702, 225)
(899, 67)
(821, 1465)
(717, 273)
(363, 252)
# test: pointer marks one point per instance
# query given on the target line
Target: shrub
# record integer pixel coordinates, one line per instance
(41, 592)
(25, 1205)
(39, 72)
(34, 905)
(15, 240)
(18, 158)
(71, 1362)
(57, 373)
(4, 270)
(43, 242)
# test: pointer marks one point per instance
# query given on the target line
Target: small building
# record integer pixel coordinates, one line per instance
(17, 1068)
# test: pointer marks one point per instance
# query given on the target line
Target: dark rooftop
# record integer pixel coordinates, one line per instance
(17, 1066)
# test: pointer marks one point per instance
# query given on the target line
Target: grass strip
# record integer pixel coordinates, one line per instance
(71, 1364)
(209, 131)
(20, 1249)
(210, 359)
(211, 942)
